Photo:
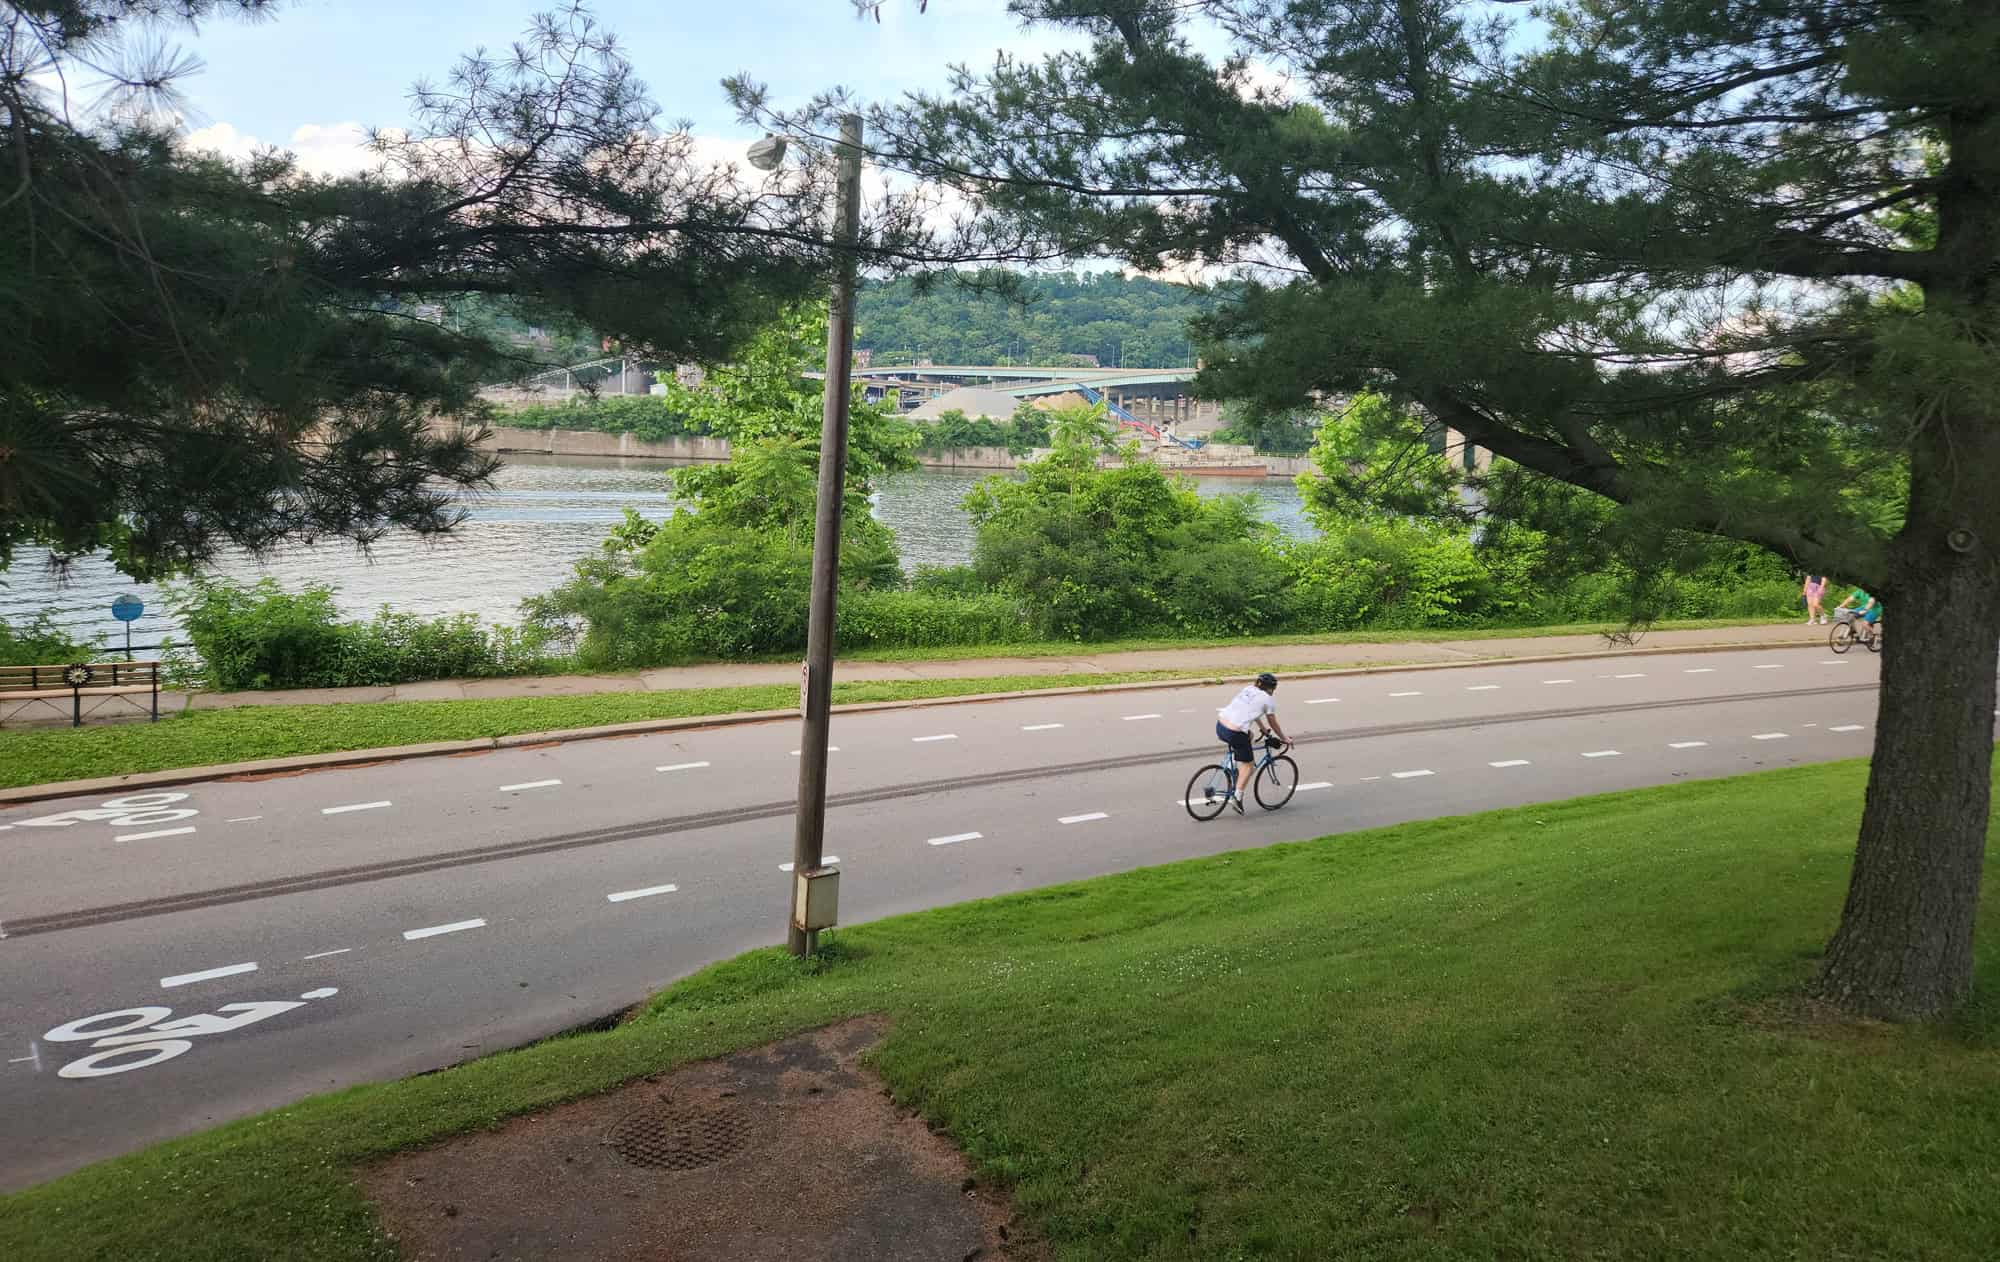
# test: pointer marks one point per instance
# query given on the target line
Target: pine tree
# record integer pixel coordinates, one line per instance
(1734, 268)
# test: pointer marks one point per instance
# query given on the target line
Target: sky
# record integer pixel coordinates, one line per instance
(319, 72)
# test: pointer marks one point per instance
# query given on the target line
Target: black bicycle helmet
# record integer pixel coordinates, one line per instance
(1268, 682)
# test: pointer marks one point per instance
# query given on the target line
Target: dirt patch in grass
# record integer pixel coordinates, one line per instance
(788, 1151)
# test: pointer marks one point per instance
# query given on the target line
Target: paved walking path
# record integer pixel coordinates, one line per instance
(1246, 659)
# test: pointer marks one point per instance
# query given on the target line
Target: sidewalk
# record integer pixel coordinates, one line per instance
(1246, 660)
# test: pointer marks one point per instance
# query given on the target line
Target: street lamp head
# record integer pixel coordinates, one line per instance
(767, 154)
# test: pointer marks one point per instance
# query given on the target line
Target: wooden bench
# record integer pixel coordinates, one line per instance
(67, 687)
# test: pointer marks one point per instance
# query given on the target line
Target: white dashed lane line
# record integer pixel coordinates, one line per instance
(354, 806)
(1769, 736)
(828, 859)
(531, 784)
(1687, 744)
(158, 832)
(1559, 681)
(1134, 718)
(242, 819)
(626, 896)
(459, 926)
(1769, 666)
(831, 749)
(1846, 727)
(1082, 819)
(1602, 753)
(1040, 727)
(1411, 775)
(1406, 694)
(1699, 670)
(1637, 674)
(1321, 700)
(1314, 784)
(953, 840)
(207, 974)
(942, 736)
(1510, 762)
(1482, 687)
(682, 766)
(320, 955)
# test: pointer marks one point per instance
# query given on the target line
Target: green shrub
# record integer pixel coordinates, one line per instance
(947, 580)
(644, 416)
(920, 619)
(42, 643)
(261, 636)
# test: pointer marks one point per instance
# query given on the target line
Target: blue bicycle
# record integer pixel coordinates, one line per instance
(1213, 786)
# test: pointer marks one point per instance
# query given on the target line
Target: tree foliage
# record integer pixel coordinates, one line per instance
(1134, 321)
(203, 353)
(1674, 255)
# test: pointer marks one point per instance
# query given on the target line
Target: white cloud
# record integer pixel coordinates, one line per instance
(330, 149)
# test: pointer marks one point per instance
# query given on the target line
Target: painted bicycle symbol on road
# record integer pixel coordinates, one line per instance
(134, 810)
(139, 1038)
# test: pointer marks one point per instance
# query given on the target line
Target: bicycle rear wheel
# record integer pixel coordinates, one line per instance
(1841, 638)
(1208, 792)
(1276, 782)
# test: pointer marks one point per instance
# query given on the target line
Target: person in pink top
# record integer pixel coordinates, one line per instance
(1815, 592)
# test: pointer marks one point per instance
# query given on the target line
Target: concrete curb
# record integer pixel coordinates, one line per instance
(440, 749)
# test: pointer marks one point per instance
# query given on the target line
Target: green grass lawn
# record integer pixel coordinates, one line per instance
(1556, 1032)
(200, 738)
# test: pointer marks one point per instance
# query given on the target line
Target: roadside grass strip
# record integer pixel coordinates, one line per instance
(1574, 1026)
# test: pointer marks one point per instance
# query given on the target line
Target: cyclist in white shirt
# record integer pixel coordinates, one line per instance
(1250, 708)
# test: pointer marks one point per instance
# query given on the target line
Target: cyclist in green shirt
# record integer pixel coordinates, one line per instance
(1865, 607)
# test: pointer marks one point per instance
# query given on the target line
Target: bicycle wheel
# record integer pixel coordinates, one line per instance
(1875, 639)
(1208, 792)
(1276, 782)
(1841, 638)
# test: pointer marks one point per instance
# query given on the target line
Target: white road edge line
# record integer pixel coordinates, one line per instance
(1510, 762)
(1083, 819)
(1846, 727)
(952, 840)
(411, 935)
(1411, 775)
(207, 974)
(925, 740)
(682, 766)
(158, 832)
(355, 806)
(1770, 736)
(320, 955)
(1687, 744)
(828, 859)
(1602, 753)
(530, 784)
(1040, 727)
(626, 896)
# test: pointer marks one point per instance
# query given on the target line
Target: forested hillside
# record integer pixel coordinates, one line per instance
(1130, 320)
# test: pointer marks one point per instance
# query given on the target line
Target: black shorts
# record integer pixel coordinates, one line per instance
(1238, 742)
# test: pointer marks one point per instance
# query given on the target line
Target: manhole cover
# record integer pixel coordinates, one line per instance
(664, 1138)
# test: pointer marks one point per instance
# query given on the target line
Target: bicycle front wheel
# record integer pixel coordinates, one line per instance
(1875, 640)
(1277, 782)
(1841, 638)
(1208, 792)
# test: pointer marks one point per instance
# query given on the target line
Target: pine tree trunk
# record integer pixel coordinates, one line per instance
(1904, 947)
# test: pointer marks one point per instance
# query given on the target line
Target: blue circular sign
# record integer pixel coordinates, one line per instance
(127, 609)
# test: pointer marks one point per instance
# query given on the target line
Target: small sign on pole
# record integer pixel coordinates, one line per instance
(805, 682)
(127, 609)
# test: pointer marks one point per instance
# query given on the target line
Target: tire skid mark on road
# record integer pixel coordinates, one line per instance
(332, 877)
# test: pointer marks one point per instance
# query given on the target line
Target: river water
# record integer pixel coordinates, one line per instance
(542, 513)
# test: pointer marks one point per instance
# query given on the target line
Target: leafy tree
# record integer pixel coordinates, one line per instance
(1641, 247)
(202, 353)
(1053, 319)
(1365, 465)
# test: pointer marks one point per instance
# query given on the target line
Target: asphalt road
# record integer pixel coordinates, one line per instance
(401, 917)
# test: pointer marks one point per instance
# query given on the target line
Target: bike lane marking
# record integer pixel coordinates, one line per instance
(206, 975)
(458, 926)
